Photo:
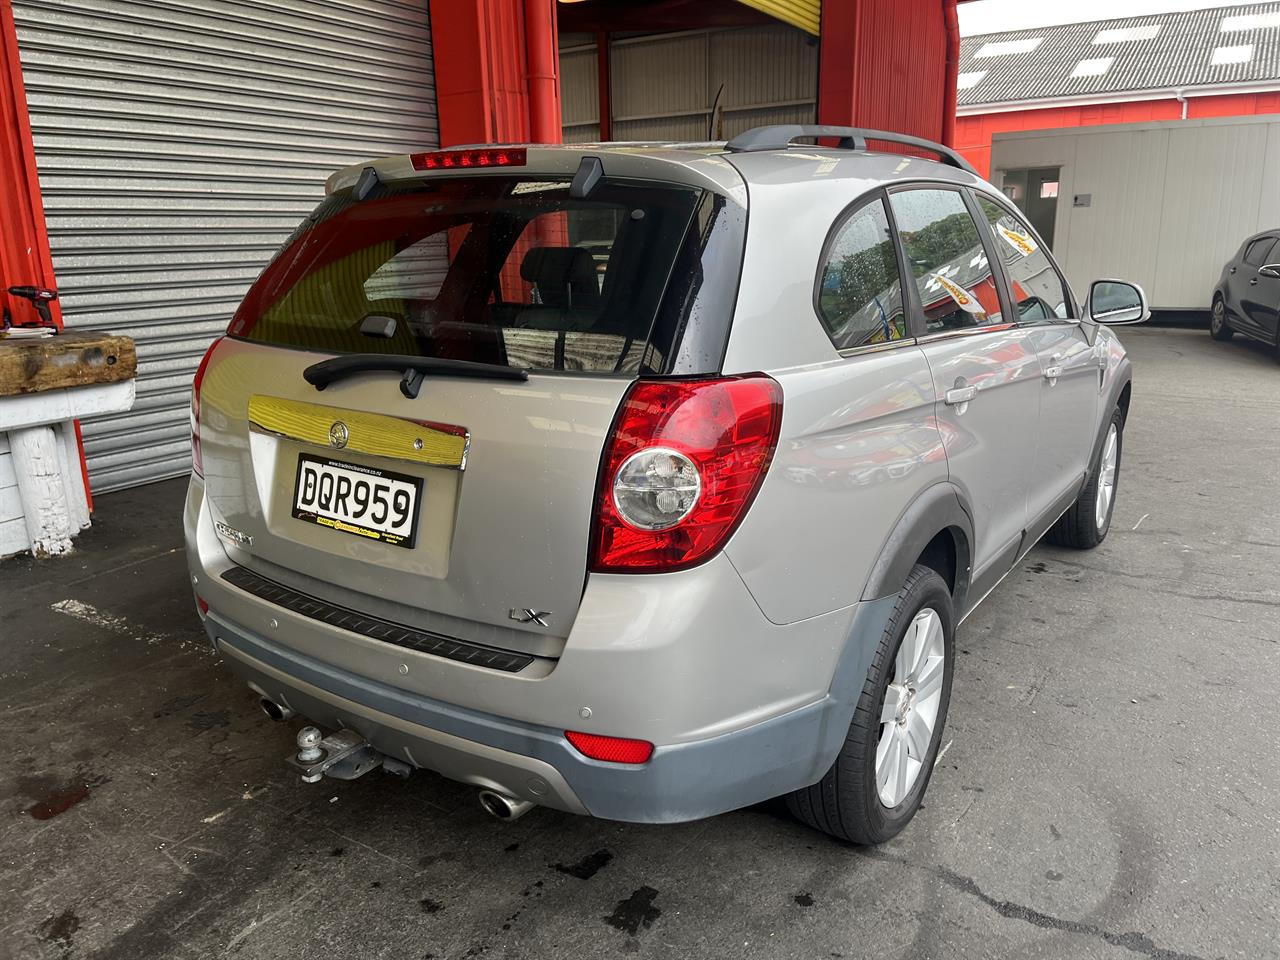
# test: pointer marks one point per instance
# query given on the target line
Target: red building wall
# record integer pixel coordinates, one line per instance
(974, 133)
(883, 64)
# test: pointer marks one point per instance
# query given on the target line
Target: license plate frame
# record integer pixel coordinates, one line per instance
(329, 519)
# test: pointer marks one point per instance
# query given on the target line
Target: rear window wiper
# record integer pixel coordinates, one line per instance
(414, 370)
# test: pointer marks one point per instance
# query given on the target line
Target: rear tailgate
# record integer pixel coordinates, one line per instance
(506, 530)
(465, 509)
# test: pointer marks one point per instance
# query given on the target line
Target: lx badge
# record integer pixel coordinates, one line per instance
(525, 615)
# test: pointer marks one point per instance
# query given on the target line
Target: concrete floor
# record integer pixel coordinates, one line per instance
(1110, 787)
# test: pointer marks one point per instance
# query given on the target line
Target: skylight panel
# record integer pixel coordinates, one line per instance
(1242, 53)
(969, 80)
(1093, 68)
(1126, 34)
(1249, 21)
(1003, 48)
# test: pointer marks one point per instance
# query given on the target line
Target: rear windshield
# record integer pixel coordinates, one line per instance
(495, 269)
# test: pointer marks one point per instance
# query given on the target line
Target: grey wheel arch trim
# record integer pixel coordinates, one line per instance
(939, 508)
(1122, 381)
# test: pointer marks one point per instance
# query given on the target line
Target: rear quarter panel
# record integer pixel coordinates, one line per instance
(859, 440)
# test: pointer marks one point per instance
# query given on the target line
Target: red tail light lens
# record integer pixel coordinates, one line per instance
(197, 462)
(468, 159)
(611, 749)
(684, 462)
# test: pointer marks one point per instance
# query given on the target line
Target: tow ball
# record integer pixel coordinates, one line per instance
(343, 755)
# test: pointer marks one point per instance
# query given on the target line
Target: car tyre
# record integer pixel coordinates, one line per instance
(1218, 328)
(1086, 524)
(879, 776)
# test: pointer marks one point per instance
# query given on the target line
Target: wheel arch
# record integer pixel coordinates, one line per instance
(935, 529)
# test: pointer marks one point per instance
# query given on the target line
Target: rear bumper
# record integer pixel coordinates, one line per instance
(685, 781)
(740, 709)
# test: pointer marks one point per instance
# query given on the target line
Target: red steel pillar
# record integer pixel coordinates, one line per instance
(950, 90)
(604, 80)
(497, 71)
(24, 243)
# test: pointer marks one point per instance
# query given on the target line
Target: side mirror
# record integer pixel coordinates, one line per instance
(1117, 301)
(1270, 270)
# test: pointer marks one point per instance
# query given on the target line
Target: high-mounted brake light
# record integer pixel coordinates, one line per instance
(456, 159)
(197, 461)
(610, 749)
(682, 465)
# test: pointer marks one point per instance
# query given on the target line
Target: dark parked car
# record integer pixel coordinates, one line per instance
(1247, 299)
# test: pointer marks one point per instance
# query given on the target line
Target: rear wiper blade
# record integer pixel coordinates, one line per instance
(414, 370)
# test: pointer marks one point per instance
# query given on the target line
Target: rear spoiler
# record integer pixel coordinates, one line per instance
(779, 137)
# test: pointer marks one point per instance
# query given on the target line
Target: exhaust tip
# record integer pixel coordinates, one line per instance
(501, 807)
(274, 711)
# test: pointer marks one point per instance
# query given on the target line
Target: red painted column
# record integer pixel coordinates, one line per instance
(604, 87)
(837, 55)
(950, 91)
(497, 71)
(24, 243)
(542, 49)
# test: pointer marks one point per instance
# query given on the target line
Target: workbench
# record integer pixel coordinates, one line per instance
(46, 384)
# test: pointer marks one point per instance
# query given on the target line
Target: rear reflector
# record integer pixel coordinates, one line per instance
(458, 159)
(203, 605)
(611, 749)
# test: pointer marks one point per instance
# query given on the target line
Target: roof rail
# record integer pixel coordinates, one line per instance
(779, 137)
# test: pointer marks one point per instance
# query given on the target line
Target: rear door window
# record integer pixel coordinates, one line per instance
(947, 258)
(859, 288)
(493, 269)
(1039, 295)
(1259, 250)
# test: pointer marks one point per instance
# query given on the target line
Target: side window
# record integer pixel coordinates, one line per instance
(1038, 291)
(860, 292)
(947, 259)
(1257, 253)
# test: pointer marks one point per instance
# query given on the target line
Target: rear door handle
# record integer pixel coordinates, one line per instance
(1054, 370)
(960, 397)
(1253, 282)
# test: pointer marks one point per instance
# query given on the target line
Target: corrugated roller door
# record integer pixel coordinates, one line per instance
(179, 142)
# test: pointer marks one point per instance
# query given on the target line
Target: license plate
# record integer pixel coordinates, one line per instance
(375, 504)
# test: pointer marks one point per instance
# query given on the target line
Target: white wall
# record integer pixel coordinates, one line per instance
(13, 528)
(1170, 202)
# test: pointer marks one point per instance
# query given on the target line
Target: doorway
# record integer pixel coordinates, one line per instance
(1035, 192)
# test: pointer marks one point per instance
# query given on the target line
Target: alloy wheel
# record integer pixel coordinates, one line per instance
(910, 711)
(1107, 477)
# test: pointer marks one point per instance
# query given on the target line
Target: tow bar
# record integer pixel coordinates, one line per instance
(343, 755)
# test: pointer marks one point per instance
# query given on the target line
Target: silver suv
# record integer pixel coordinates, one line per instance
(645, 481)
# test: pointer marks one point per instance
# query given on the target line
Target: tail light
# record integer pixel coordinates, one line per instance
(197, 462)
(610, 749)
(682, 466)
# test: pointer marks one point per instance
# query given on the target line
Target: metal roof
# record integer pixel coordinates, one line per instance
(1196, 48)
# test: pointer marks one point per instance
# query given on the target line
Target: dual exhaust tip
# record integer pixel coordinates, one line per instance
(497, 805)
